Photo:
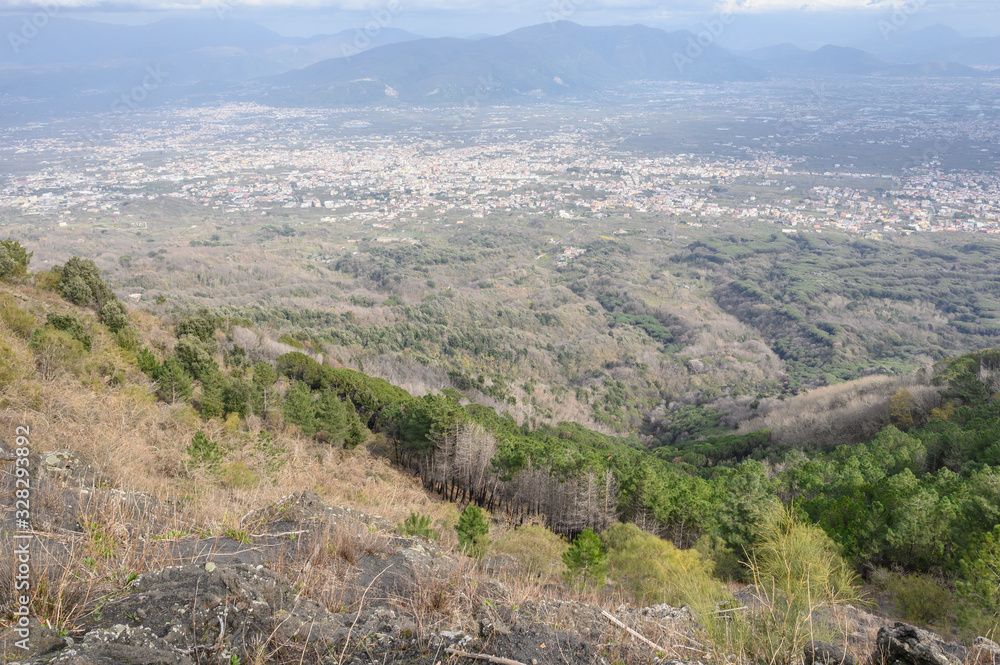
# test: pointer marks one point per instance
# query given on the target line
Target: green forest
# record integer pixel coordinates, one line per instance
(917, 503)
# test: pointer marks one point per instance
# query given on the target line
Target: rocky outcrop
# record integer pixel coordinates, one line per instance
(355, 593)
(903, 644)
(824, 653)
(984, 652)
(36, 640)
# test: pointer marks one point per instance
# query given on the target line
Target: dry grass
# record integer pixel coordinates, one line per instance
(848, 412)
(137, 445)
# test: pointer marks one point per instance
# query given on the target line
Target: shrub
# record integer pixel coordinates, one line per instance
(147, 363)
(796, 570)
(14, 259)
(201, 327)
(196, 356)
(418, 525)
(586, 562)
(113, 314)
(70, 324)
(473, 531)
(11, 368)
(538, 550)
(80, 283)
(173, 383)
(237, 475)
(236, 397)
(20, 321)
(203, 450)
(980, 580)
(128, 339)
(109, 366)
(652, 568)
(46, 280)
(56, 351)
(920, 598)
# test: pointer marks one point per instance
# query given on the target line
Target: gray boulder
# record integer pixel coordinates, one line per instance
(824, 653)
(903, 644)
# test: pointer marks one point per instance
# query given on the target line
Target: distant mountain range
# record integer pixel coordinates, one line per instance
(541, 61)
(93, 63)
(937, 43)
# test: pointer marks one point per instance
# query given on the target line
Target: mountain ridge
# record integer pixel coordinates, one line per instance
(73, 60)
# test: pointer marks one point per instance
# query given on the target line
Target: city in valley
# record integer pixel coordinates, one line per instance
(651, 160)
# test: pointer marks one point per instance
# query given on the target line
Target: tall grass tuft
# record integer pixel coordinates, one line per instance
(795, 571)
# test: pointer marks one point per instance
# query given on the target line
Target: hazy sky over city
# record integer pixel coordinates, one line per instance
(758, 22)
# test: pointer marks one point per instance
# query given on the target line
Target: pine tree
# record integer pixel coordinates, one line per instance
(203, 450)
(473, 531)
(14, 259)
(147, 362)
(299, 408)
(236, 397)
(173, 383)
(211, 403)
(980, 582)
(585, 560)
(331, 417)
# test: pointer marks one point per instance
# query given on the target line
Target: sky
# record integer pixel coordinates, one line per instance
(807, 23)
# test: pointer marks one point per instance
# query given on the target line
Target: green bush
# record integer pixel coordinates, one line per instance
(127, 339)
(652, 568)
(921, 598)
(203, 450)
(201, 327)
(71, 325)
(473, 530)
(113, 314)
(80, 283)
(11, 369)
(14, 259)
(147, 363)
(586, 562)
(196, 356)
(56, 351)
(538, 550)
(237, 475)
(418, 525)
(20, 321)
(173, 383)
(796, 569)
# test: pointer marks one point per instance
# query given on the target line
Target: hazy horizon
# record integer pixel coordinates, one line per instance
(752, 23)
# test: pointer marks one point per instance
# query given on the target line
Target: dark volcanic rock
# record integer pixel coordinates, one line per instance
(41, 640)
(904, 644)
(824, 653)
(122, 644)
(200, 613)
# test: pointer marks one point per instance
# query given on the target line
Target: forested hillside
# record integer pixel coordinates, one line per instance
(670, 329)
(920, 497)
